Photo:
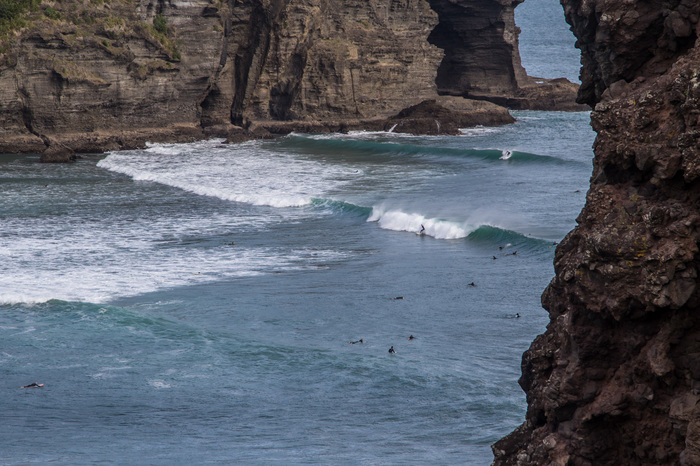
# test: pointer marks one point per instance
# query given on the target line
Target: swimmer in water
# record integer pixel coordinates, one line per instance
(517, 315)
(33, 385)
(391, 350)
(472, 284)
(411, 338)
(358, 341)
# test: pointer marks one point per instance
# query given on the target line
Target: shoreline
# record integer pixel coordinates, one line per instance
(443, 115)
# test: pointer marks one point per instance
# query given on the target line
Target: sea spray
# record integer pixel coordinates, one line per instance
(401, 221)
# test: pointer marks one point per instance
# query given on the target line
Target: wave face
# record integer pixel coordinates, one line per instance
(480, 233)
(386, 144)
(437, 228)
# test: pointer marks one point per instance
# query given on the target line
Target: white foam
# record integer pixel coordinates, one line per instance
(244, 173)
(479, 131)
(56, 258)
(397, 220)
(360, 135)
(160, 384)
(129, 273)
(506, 154)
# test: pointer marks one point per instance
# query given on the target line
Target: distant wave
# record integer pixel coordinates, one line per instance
(495, 235)
(309, 144)
(342, 207)
(438, 228)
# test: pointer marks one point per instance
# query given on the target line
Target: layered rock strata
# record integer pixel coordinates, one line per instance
(88, 76)
(615, 379)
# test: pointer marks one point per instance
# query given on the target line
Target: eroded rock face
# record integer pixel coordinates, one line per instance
(102, 76)
(480, 40)
(105, 77)
(615, 379)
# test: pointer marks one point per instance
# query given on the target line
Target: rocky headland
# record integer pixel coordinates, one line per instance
(615, 379)
(95, 75)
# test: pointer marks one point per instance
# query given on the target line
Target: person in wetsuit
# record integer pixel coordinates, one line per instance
(33, 385)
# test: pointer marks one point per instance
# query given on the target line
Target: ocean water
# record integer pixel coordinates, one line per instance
(546, 42)
(195, 302)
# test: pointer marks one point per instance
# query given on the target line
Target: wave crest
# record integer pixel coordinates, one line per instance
(435, 227)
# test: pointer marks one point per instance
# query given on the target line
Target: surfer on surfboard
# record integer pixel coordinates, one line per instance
(422, 230)
(33, 385)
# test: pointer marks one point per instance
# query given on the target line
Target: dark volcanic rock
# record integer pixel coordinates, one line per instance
(482, 60)
(543, 94)
(57, 153)
(480, 40)
(446, 116)
(616, 377)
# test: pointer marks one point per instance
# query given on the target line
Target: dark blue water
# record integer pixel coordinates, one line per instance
(195, 303)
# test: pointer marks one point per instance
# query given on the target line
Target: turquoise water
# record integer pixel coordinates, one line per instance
(195, 303)
(159, 341)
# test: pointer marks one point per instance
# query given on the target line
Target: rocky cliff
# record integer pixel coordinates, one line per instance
(482, 60)
(615, 379)
(88, 75)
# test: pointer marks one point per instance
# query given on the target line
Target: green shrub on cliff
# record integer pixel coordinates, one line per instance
(51, 12)
(11, 12)
(159, 31)
(161, 24)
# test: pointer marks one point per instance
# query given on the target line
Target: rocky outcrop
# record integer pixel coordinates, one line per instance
(112, 75)
(480, 40)
(482, 60)
(615, 379)
(446, 115)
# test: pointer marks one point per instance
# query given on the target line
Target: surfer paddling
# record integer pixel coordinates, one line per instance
(33, 385)
(356, 342)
